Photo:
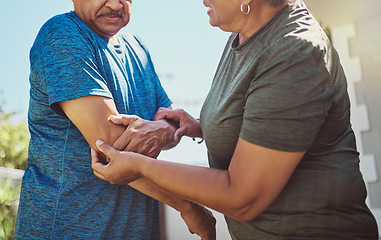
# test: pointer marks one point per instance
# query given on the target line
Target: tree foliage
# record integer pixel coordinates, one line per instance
(14, 141)
(8, 199)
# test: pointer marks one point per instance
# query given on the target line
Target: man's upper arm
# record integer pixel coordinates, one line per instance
(90, 115)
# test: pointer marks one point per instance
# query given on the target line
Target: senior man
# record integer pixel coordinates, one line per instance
(82, 72)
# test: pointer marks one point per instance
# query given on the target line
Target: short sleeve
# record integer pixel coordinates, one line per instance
(65, 58)
(287, 103)
(162, 99)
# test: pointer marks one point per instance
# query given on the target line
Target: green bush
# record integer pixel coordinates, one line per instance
(14, 141)
(8, 198)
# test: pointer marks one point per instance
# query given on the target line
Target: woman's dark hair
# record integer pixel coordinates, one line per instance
(276, 3)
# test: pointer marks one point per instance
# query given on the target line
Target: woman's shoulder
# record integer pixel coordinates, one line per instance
(296, 31)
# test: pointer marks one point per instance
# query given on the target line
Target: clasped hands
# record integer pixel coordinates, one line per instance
(140, 140)
(143, 137)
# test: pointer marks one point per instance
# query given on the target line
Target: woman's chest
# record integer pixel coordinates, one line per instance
(223, 111)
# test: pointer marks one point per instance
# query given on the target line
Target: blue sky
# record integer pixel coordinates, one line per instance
(184, 47)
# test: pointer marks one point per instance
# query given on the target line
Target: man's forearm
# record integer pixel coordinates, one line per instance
(198, 219)
(147, 187)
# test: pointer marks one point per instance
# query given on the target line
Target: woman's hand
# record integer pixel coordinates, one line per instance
(188, 126)
(143, 136)
(121, 168)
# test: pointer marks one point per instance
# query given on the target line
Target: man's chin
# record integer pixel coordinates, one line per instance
(108, 32)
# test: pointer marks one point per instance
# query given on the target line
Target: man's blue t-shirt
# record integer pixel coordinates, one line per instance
(61, 198)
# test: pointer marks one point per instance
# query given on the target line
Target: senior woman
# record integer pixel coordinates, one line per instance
(276, 124)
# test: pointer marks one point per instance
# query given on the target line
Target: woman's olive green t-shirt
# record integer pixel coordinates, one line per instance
(284, 89)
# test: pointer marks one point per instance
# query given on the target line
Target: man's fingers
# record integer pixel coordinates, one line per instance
(122, 142)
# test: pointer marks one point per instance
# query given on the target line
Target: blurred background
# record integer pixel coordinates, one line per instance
(186, 50)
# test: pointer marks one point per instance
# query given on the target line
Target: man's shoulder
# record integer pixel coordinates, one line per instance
(64, 24)
(59, 20)
(63, 28)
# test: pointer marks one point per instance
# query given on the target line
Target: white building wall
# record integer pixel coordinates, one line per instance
(355, 26)
(359, 117)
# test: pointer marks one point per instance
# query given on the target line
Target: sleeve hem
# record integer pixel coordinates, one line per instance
(273, 145)
(54, 103)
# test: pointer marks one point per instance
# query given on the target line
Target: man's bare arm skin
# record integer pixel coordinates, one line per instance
(90, 115)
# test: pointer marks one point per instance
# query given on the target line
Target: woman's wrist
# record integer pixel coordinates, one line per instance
(142, 164)
(198, 132)
(198, 141)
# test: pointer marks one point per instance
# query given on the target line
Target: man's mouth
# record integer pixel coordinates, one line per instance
(111, 15)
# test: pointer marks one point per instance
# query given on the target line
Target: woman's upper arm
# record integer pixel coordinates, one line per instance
(90, 115)
(257, 176)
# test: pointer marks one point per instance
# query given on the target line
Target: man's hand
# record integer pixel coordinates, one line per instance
(200, 221)
(143, 136)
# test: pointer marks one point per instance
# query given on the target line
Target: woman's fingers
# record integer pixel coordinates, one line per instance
(105, 148)
(170, 114)
(97, 165)
(160, 114)
(123, 119)
(180, 132)
(119, 169)
(99, 175)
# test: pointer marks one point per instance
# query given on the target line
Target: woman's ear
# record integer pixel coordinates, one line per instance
(245, 2)
(245, 6)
